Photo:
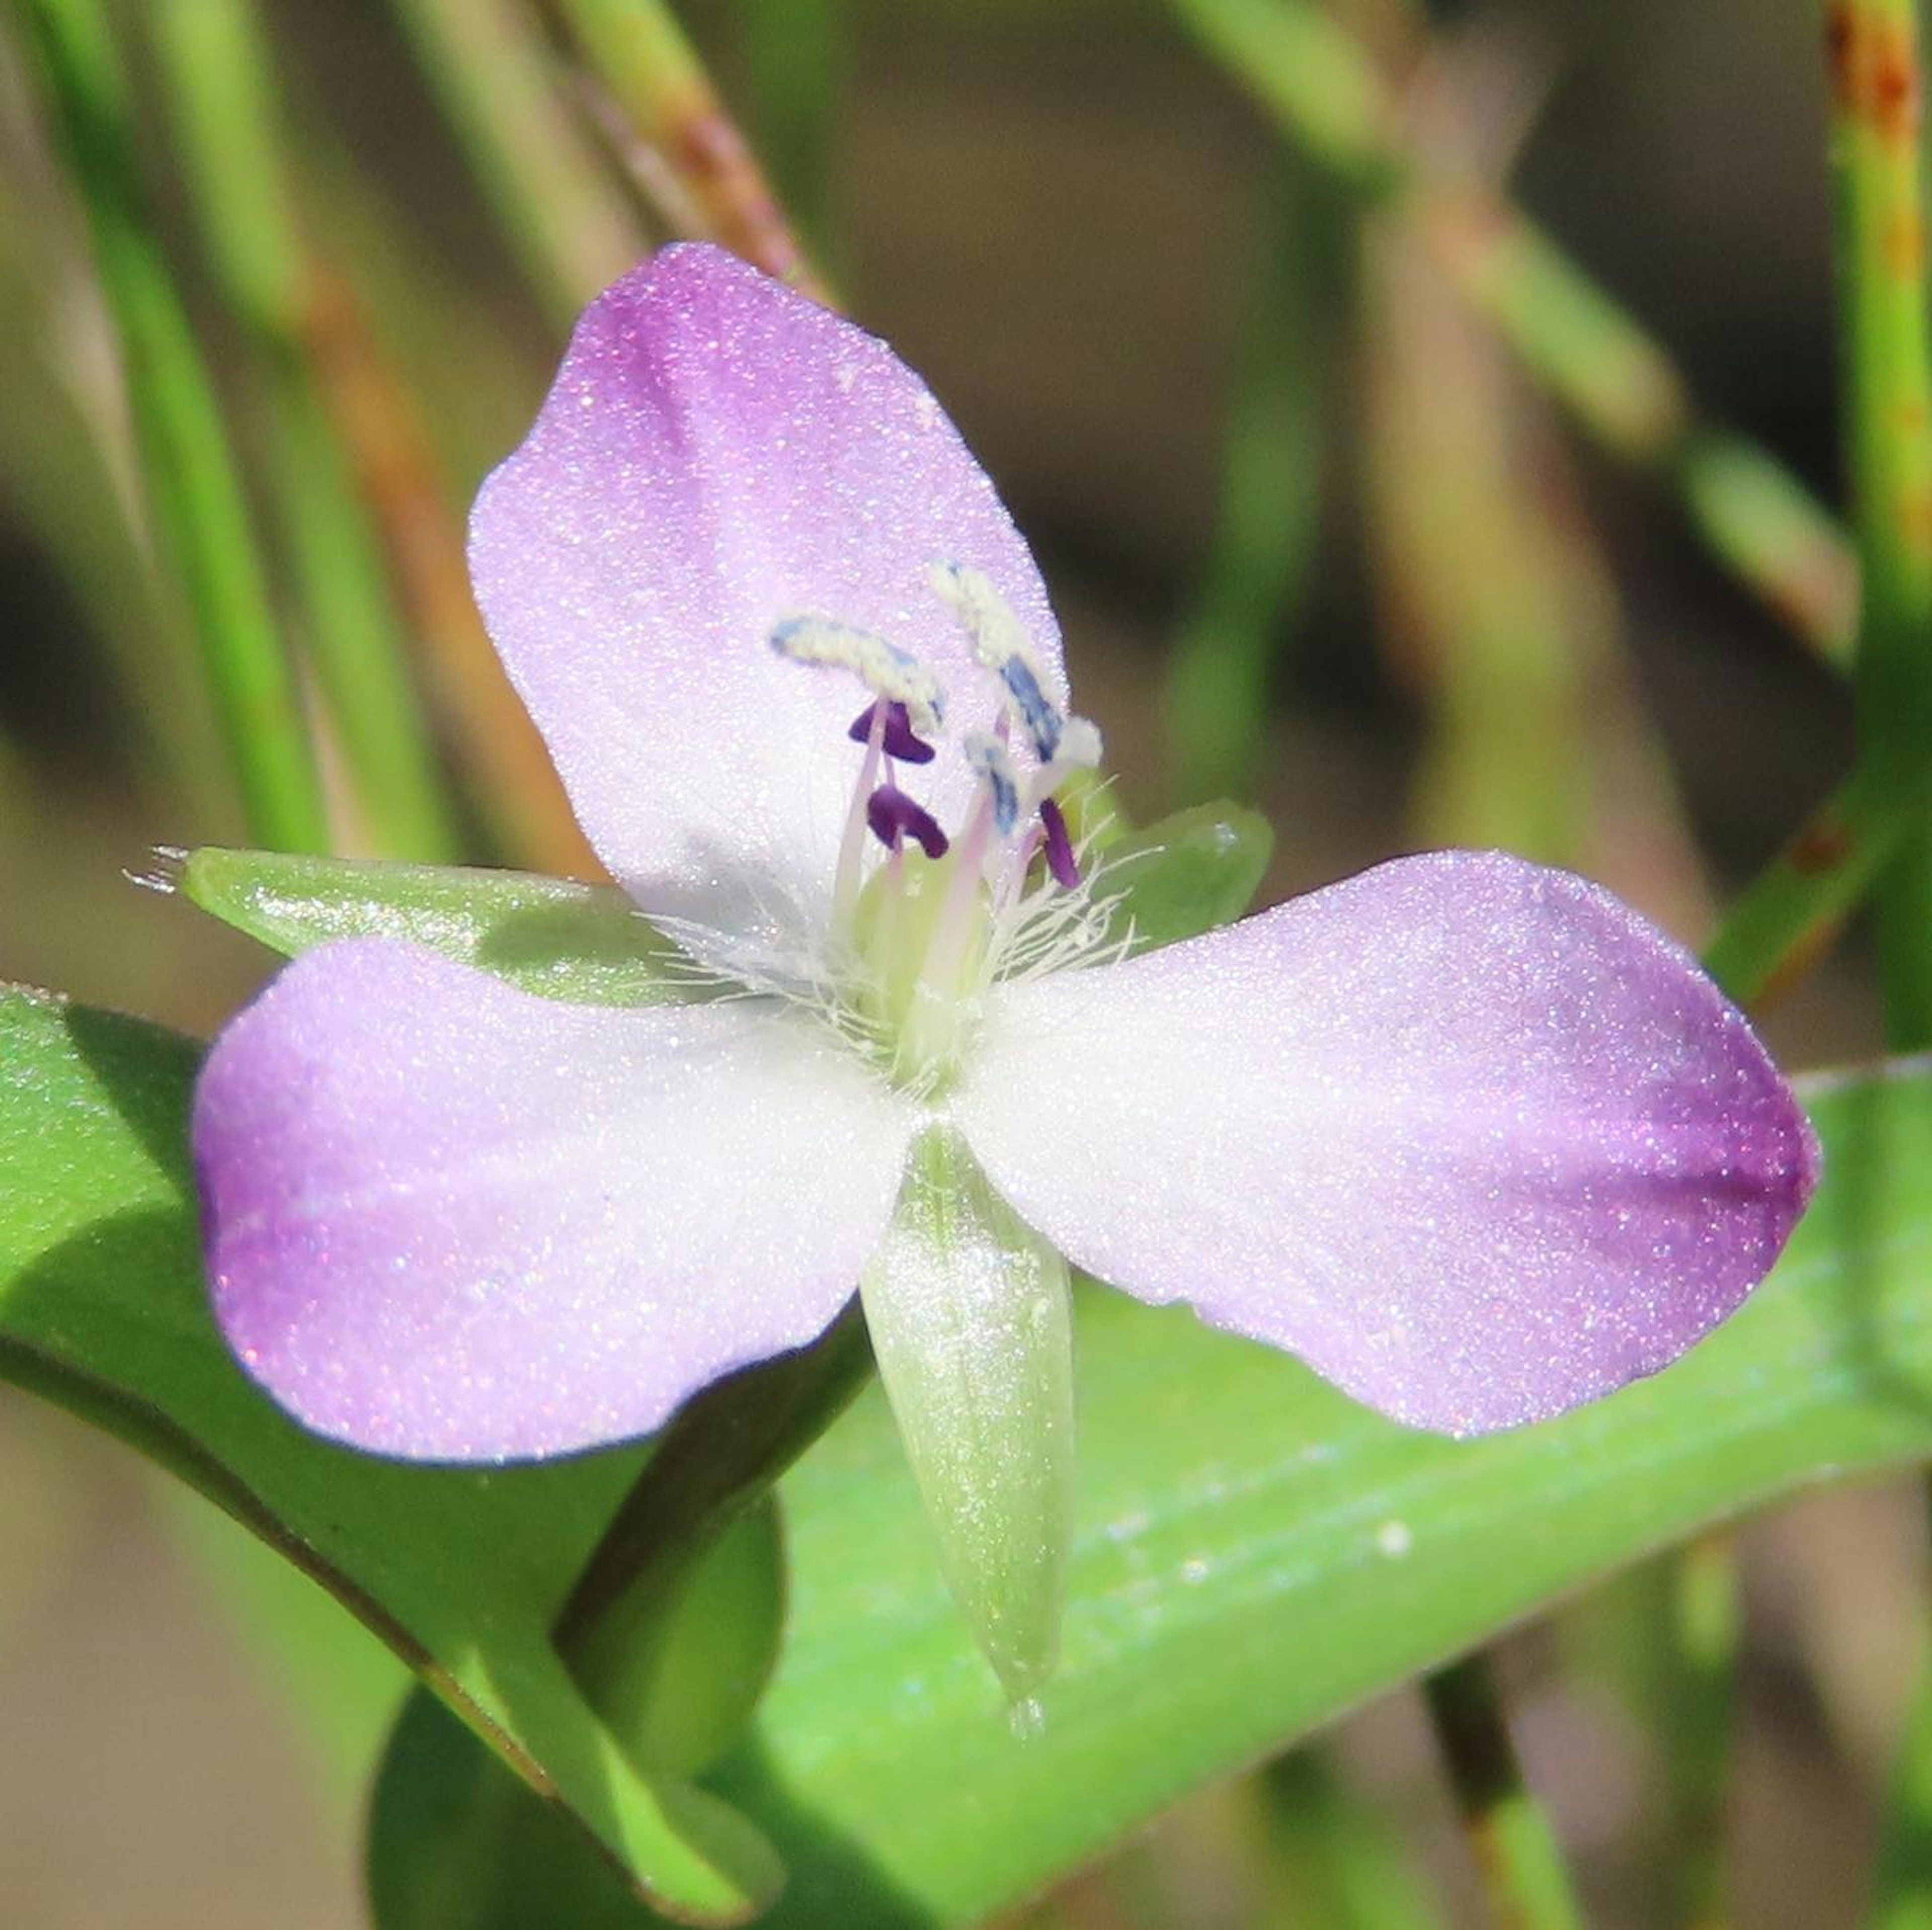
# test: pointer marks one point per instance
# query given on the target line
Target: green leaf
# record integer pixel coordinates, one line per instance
(1197, 869)
(1253, 1554)
(463, 1572)
(586, 944)
(457, 1842)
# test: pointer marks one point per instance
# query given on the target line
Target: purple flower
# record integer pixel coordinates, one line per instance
(1465, 1134)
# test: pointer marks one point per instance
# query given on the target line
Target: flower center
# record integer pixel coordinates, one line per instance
(924, 920)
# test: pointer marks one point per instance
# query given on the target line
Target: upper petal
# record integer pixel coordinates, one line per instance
(448, 1220)
(1467, 1134)
(719, 452)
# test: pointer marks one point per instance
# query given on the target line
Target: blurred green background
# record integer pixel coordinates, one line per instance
(1316, 540)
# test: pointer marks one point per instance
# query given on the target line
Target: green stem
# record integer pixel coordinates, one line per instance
(216, 63)
(564, 216)
(189, 469)
(1888, 374)
(795, 63)
(656, 80)
(1705, 1610)
(1325, 92)
(1516, 1850)
(1339, 1862)
(1902, 1891)
(1877, 84)
(1794, 908)
(1215, 699)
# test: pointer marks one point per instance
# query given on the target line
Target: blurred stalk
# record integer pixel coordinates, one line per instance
(188, 468)
(796, 54)
(1888, 377)
(1791, 911)
(68, 468)
(1517, 1851)
(1215, 699)
(1337, 1861)
(1480, 606)
(1704, 1631)
(1325, 92)
(692, 154)
(565, 217)
(1500, 615)
(217, 65)
(407, 431)
(1877, 93)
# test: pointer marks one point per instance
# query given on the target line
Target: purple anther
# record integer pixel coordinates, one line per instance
(894, 816)
(1059, 849)
(901, 741)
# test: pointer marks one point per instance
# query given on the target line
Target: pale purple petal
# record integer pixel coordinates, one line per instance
(447, 1220)
(718, 452)
(1466, 1134)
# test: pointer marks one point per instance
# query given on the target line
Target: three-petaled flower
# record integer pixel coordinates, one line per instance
(1465, 1134)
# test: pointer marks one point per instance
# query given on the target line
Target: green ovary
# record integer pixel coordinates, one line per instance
(921, 930)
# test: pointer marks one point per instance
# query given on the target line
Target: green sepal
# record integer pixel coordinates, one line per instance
(971, 1322)
(1192, 871)
(585, 944)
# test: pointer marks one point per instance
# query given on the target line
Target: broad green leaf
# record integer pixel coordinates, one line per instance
(586, 944)
(333, 1674)
(463, 1572)
(457, 1842)
(1253, 1554)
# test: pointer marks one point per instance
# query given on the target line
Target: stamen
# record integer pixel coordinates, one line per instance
(1000, 642)
(1037, 714)
(900, 742)
(893, 816)
(1079, 743)
(893, 673)
(993, 762)
(845, 883)
(1059, 849)
(998, 636)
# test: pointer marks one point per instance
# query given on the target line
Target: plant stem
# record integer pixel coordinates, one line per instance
(1517, 1850)
(188, 467)
(383, 425)
(1780, 923)
(1341, 1863)
(564, 215)
(795, 58)
(1324, 91)
(216, 63)
(1705, 1618)
(1877, 87)
(1215, 702)
(655, 80)
(1888, 376)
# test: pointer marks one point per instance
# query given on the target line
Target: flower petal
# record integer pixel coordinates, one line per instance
(1467, 1134)
(719, 453)
(448, 1220)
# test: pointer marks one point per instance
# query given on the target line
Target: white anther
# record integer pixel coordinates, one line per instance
(1079, 744)
(994, 762)
(1077, 750)
(998, 636)
(885, 670)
